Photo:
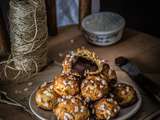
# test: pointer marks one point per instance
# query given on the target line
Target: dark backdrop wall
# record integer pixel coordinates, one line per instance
(143, 15)
(4, 7)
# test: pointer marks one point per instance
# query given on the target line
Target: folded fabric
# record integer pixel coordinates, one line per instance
(68, 11)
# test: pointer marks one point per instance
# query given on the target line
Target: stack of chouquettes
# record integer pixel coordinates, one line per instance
(86, 89)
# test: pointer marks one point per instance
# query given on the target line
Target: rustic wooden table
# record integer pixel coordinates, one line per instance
(141, 48)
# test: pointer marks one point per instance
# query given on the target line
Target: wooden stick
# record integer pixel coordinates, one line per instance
(51, 17)
(84, 9)
(4, 39)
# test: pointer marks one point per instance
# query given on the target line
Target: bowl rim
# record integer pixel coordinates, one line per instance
(120, 27)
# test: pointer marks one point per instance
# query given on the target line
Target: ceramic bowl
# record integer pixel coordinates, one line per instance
(104, 28)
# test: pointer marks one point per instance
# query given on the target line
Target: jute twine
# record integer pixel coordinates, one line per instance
(28, 35)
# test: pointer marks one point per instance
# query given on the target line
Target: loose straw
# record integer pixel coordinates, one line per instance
(28, 35)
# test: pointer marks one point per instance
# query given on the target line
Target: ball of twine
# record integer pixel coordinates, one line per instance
(28, 35)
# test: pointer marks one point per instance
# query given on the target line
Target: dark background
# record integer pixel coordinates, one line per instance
(141, 15)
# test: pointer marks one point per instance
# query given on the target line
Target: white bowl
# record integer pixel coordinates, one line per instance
(104, 28)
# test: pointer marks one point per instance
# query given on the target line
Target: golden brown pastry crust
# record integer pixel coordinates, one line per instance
(65, 85)
(106, 108)
(82, 86)
(70, 59)
(93, 88)
(45, 97)
(125, 94)
(109, 75)
(71, 109)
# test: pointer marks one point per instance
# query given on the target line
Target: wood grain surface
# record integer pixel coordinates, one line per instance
(4, 39)
(141, 48)
(51, 16)
(84, 9)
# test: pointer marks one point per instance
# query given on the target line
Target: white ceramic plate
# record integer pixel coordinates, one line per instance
(123, 115)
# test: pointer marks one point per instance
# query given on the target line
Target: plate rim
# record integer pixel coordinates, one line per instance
(124, 117)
